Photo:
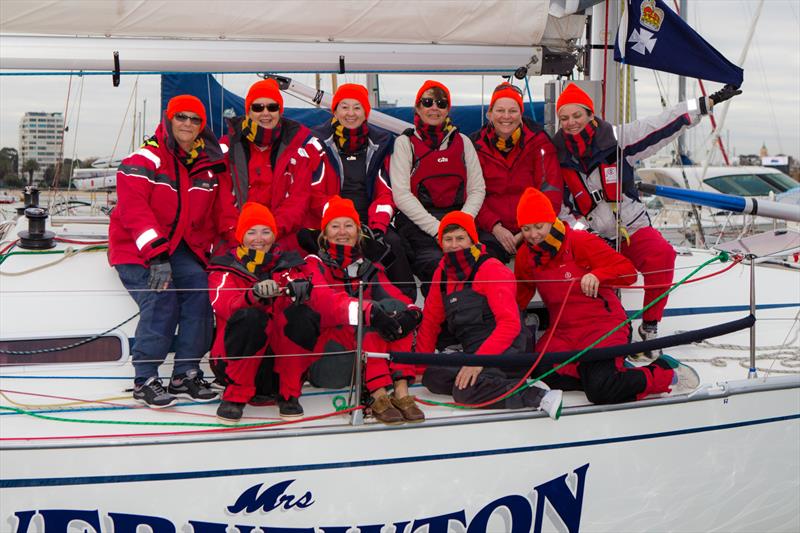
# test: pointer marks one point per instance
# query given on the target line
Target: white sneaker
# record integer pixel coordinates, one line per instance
(551, 403)
(685, 380)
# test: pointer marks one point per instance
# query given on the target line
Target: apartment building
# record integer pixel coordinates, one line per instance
(40, 138)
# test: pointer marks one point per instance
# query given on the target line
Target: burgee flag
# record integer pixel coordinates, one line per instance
(653, 36)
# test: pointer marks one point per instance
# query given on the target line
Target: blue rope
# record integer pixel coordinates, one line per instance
(530, 99)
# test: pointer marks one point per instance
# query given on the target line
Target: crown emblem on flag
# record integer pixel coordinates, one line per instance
(652, 16)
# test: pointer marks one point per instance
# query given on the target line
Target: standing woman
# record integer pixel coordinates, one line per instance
(170, 211)
(587, 150)
(515, 153)
(356, 166)
(552, 255)
(268, 159)
(389, 315)
(434, 170)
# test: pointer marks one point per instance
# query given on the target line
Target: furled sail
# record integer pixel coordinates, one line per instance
(284, 36)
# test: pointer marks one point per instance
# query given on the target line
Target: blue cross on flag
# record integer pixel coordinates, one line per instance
(653, 36)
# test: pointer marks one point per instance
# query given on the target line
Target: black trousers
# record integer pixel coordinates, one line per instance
(491, 383)
(602, 382)
(245, 335)
(399, 269)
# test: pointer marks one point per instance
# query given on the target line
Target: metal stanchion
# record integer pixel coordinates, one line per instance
(752, 374)
(357, 416)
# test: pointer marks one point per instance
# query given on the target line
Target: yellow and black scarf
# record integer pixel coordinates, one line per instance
(550, 246)
(256, 262)
(433, 136)
(503, 145)
(349, 140)
(194, 154)
(260, 136)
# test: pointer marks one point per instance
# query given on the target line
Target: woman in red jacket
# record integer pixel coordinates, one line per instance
(562, 263)
(390, 315)
(265, 305)
(473, 296)
(269, 159)
(171, 211)
(515, 153)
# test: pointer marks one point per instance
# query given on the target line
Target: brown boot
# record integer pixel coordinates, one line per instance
(408, 407)
(384, 411)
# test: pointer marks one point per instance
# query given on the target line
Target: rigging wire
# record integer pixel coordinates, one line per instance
(122, 124)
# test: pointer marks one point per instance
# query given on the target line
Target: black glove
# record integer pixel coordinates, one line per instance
(726, 93)
(302, 325)
(299, 290)
(409, 320)
(386, 326)
(160, 273)
(378, 235)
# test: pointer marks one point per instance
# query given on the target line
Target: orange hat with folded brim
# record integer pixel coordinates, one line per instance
(255, 214)
(534, 207)
(459, 218)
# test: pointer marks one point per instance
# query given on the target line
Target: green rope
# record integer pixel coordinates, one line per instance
(722, 257)
(130, 423)
(90, 248)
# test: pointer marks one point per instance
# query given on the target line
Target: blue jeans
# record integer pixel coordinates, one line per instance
(161, 312)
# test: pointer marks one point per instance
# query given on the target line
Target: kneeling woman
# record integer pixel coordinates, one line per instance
(256, 291)
(554, 254)
(473, 295)
(390, 316)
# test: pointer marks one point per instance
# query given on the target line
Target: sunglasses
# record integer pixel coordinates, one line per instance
(258, 108)
(441, 103)
(180, 117)
(514, 88)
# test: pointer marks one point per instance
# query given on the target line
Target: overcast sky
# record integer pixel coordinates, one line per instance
(768, 111)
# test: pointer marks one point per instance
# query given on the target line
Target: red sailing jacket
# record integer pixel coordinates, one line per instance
(535, 164)
(160, 202)
(584, 319)
(499, 296)
(439, 177)
(290, 173)
(229, 291)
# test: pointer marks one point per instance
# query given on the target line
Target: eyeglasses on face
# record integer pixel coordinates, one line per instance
(181, 117)
(258, 108)
(441, 103)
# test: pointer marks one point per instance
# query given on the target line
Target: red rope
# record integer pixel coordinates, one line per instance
(736, 261)
(10, 246)
(71, 241)
(189, 432)
(550, 332)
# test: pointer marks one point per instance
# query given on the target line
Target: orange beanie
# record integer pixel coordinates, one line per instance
(430, 84)
(534, 207)
(506, 90)
(354, 91)
(186, 102)
(574, 95)
(263, 89)
(339, 207)
(254, 214)
(459, 218)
